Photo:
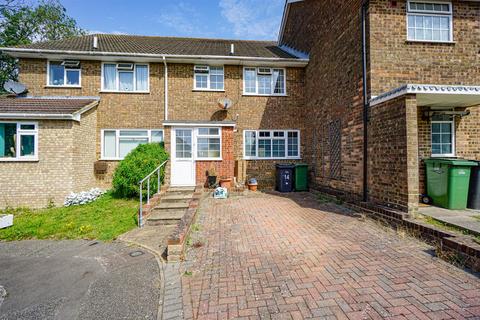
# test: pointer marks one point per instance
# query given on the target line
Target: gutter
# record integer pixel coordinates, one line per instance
(42, 116)
(165, 81)
(160, 57)
(365, 100)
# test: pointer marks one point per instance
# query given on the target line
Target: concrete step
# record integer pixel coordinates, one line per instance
(181, 189)
(165, 217)
(179, 204)
(173, 197)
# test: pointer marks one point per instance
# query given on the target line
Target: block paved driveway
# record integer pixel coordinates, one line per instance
(273, 257)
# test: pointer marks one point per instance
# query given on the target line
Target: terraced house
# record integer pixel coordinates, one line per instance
(362, 91)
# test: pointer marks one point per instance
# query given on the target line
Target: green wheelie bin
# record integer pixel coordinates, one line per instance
(448, 181)
(301, 177)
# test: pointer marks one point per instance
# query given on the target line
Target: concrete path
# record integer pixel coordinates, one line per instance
(77, 280)
(277, 257)
(465, 219)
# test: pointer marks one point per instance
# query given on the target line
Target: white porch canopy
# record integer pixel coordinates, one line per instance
(434, 95)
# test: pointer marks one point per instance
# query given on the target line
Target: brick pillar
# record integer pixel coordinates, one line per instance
(411, 115)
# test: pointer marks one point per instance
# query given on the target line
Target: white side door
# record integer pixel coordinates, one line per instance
(183, 163)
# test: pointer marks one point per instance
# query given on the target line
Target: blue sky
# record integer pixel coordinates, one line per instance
(230, 19)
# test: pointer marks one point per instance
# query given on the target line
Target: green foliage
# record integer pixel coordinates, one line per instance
(21, 24)
(137, 165)
(104, 219)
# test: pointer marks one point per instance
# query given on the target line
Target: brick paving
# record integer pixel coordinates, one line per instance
(275, 257)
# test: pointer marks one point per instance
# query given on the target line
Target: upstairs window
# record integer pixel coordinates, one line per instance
(125, 77)
(209, 78)
(18, 141)
(443, 136)
(430, 21)
(271, 144)
(64, 73)
(264, 81)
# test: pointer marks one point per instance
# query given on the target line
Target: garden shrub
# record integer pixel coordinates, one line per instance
(136, 166)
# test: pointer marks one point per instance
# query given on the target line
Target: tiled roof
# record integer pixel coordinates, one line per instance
(44, 105)
(110, 43)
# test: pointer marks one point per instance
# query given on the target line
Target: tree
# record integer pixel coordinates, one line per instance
(22, 24)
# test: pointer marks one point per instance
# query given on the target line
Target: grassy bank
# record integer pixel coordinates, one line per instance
(104, 219)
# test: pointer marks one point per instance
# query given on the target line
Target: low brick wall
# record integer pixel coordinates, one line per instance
(176, 241)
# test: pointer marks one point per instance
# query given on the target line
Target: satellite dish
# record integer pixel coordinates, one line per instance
(14, 87)
(225, 103)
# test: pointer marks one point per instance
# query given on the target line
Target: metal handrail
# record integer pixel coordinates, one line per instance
(147, 178)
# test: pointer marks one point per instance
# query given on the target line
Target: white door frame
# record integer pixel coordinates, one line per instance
(188, 182)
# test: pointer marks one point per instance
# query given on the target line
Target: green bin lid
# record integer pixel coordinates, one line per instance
(452, 162)
(301, 165)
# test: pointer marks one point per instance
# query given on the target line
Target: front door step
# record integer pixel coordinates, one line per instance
(173, 205)
(181, 189)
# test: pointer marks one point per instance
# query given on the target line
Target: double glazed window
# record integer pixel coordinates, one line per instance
(118, 143)
(64, 73)
(443, 136)
(264, 81)
(18, 141)
(276, 144)
(208, 143)
(125, 77)
(209, 78)
(430, 21)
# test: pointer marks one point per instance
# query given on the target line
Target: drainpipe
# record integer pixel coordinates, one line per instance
(165, 81)
(365, 100)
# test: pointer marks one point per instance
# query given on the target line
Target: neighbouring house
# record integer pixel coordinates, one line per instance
(360, 90)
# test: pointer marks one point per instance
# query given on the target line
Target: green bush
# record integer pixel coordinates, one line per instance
(136, 166)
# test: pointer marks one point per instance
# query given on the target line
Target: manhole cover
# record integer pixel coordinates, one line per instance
(136, 253)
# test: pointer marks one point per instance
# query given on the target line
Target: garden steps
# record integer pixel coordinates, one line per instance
(172, 207)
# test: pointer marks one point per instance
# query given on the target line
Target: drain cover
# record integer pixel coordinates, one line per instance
(136, 253)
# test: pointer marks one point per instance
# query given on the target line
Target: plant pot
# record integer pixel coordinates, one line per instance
(212, 181)
(252, 187)
(226, 183)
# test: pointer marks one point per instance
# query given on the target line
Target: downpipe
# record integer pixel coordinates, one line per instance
(365, 100)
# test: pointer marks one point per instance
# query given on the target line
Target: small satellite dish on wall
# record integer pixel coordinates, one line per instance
(14, 87)
(225, 103)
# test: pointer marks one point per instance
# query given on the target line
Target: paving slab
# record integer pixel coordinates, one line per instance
(466, 219)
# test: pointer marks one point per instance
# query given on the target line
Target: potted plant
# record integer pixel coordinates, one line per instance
(212, 177)
(226, 182)
(252, 184)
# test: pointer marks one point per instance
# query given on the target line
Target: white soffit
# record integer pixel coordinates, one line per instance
(434, 95)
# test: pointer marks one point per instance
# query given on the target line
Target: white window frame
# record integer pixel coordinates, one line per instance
(21, 132)
(452, 122)
(208, 88)
(103, 89)
(257, 137)
(272, 84)
(117, 140)
(64, 85)
(416, 12)
(198, 135)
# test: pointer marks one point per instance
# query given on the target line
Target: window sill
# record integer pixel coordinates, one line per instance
(207, 90)
(443, 156)
(110, 159)
(62, 87)
(430, 42)
(270, 159)
(19, 160)
(263, 95)
(209, 159)
(125, 92)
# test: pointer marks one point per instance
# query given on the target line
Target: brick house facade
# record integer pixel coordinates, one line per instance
(366, 82)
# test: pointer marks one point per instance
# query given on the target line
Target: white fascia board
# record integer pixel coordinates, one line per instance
(77, 115)
(294, 52)
(426, 89)
(144, 57)
(39, 116)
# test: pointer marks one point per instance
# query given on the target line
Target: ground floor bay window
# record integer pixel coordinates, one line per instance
(116, 144)
(18, 141)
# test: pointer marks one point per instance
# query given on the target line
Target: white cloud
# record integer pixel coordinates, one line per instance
(253, 19)
(184, 19)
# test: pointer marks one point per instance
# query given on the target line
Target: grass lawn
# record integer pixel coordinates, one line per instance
(104, 219)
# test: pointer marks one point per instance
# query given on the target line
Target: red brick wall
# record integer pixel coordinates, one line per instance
(224, 168)
(331, 33)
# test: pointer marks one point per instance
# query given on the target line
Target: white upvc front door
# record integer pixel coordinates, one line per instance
(183, 163)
